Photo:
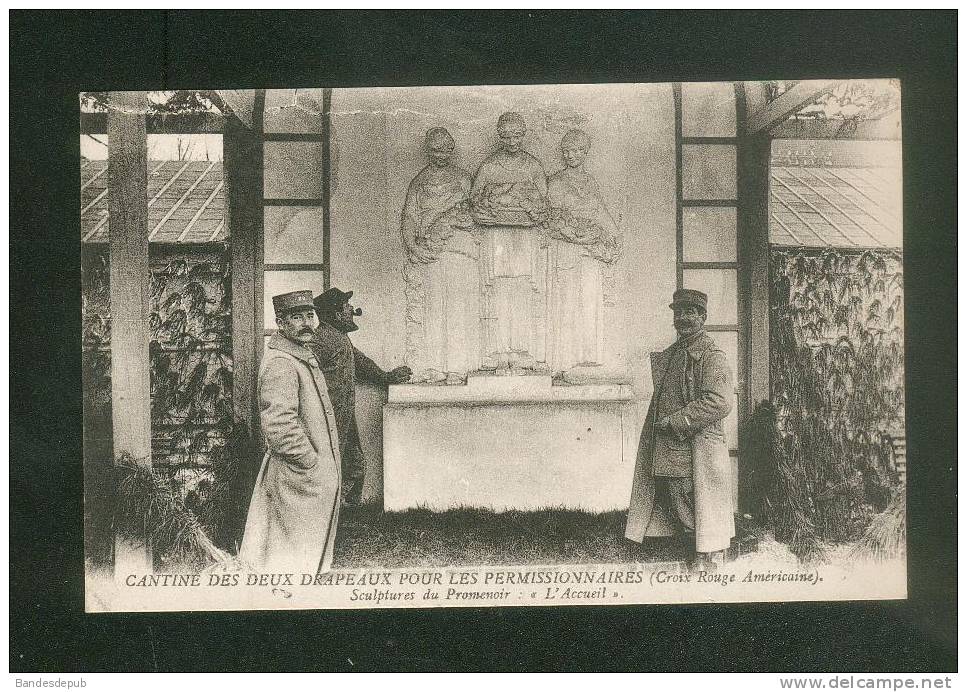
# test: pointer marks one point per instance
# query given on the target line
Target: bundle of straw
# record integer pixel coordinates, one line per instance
(886, 536)
(148, 509)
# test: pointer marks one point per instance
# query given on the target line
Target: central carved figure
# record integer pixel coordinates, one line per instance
(509, 200)
(507, 271)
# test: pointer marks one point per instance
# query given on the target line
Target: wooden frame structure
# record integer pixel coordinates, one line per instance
(243, 147)
(127, 127)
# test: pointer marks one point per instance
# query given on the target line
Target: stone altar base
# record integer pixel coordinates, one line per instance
(509, 443)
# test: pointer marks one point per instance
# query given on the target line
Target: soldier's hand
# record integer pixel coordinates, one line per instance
(677, 425)
(399, 375)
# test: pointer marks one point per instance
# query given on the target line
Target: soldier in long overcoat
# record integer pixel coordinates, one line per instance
(342, 365)
(291, 525)
(683, 474)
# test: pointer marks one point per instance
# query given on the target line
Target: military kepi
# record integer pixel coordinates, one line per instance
(288, 302)
(687, 296)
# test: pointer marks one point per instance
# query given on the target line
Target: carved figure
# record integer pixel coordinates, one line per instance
(442, 272)
(509, 200)
(583, 245)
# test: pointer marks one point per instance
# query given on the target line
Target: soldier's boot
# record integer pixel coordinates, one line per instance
(711, 562)
(688, 550)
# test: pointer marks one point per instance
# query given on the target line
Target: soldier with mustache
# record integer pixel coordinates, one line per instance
(683, 474)
(291, 524)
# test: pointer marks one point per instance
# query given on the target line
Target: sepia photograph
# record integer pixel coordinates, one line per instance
(497, 345)
(474, 341)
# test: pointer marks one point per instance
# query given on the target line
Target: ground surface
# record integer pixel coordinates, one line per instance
(368, 537)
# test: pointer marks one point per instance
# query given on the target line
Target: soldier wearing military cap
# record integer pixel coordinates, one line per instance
(683, 474)
(291, 524)
(343, 365)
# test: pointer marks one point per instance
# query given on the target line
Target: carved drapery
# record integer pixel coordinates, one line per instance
(509, 272)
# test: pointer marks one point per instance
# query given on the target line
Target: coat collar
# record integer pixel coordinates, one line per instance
(696, 345)
(281, 343)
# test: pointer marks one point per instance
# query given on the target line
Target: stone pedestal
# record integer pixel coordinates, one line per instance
(512, 442)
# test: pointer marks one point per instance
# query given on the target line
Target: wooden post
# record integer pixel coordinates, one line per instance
(130, 307)
(754, 154)
(242, 148)
(242, 151)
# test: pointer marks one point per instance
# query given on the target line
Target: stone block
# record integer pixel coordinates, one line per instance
(526, 455)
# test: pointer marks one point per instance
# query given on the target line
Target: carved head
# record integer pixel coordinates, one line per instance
(511, 130)
(439, 146)
(574, 148)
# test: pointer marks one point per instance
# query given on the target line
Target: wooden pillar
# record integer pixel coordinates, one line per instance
(130, 307)
(242, 151)
(753, 253)
(754, 158)
(242, 147)
(753, 188)
(326, 187)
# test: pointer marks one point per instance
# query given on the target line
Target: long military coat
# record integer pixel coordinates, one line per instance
(291, 525)
(708, 389)
(342, 364)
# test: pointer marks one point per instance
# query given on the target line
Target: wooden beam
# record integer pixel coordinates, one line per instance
(257, 317)
(679, 197)
(243, 179)
(242, 150)
(326, 186)
(754, 290)
(756, 96)
(773, 113)
(753, 248)
(130, 306)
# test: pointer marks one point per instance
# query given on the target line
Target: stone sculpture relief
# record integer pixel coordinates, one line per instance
(509, 199)
(583, 246)
(442, 272)
(509, 271)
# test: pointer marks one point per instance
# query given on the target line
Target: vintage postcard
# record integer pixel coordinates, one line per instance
(541, 345)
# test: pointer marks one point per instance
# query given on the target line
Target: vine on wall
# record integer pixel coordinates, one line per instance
(191, 362)
(838, 395)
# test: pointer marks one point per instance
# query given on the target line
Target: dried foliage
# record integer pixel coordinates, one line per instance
(886, 536)
(837, 368)
(150, 508)
(191, 363)
(850, 100)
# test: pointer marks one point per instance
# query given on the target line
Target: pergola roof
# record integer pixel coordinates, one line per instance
(186, 202)
(808, 206)
(858, 207)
